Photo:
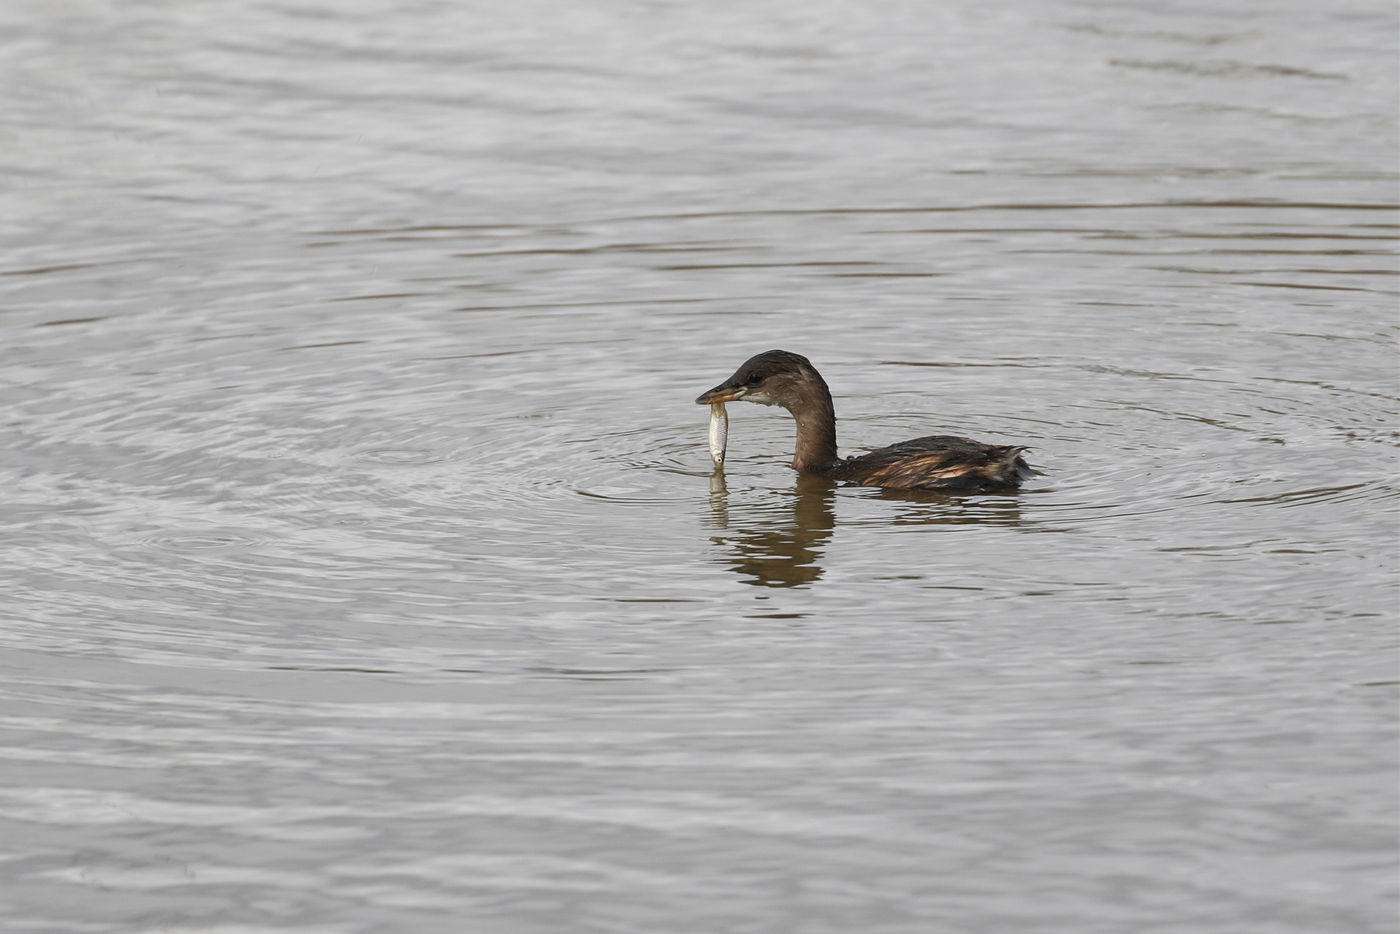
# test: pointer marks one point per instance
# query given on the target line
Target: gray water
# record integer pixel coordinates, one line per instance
(363, 570)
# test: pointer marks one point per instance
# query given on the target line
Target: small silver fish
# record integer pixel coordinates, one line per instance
(719, 433)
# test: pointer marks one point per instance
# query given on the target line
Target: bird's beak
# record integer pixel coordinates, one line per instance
(724, 392)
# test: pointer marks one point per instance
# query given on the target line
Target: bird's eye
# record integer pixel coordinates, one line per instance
(756, 377)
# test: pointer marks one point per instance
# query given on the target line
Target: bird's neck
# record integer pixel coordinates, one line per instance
(816, 435)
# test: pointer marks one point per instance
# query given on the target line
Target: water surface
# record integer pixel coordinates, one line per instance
(364, 571)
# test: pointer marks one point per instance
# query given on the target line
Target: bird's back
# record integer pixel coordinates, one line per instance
(937, 462)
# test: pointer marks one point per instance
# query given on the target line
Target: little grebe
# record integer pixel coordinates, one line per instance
(937, 462)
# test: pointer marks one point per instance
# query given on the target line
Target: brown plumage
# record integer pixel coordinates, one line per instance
(936, 462)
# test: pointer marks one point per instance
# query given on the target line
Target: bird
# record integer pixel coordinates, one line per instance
(935, 462)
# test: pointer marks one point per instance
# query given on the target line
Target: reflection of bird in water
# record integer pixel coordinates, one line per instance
(781, 545)
(937, 462)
